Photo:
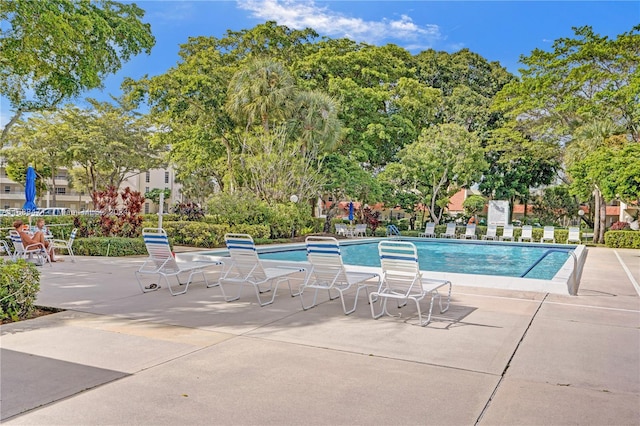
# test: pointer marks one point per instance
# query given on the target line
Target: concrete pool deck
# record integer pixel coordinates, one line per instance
(116, 356)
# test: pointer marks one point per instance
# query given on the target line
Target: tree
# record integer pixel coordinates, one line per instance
(474, 204)
(42, 141)
(54, 50)
(579, 81)
(445, 158)
(109, 143)
(260, 92)
(344, 179)
(154, 194)
(517, 163)
(556, 206)
(187, 106)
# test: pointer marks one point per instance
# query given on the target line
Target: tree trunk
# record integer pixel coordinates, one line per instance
(603, 218)
(596, 216)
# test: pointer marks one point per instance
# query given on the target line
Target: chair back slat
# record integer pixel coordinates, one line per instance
(549, 232)
(491, 230)
(400, 267)
(527, 231)
(508, 231)
(244, 255)
(159, 250)
(471, 229)
(324, 255)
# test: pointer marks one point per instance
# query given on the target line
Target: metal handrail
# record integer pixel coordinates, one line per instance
(575, 273)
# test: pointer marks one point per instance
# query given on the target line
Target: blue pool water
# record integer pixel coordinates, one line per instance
(509, 260)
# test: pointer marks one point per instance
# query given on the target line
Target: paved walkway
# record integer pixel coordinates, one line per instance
(116, 356)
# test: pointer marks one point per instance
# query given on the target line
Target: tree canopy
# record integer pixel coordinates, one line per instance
(56, 49)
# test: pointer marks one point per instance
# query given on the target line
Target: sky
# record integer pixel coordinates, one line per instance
(497, 30)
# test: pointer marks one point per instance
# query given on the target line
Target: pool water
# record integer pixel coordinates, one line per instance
(509, 260)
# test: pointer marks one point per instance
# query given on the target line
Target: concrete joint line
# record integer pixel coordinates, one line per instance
(628, 272)
(504, 372)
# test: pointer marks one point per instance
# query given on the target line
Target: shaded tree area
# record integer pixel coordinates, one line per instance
(581, 95)
(269, 112)
(54, 50)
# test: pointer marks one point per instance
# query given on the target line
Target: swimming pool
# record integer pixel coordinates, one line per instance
(473, 263)
(507, 259)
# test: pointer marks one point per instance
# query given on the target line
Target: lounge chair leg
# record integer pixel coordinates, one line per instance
(372, 304)
(313, 304)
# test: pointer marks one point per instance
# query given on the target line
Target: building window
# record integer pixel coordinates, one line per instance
(166, 177)
(146, 208)
(61, 191)
(7, 188)
(147, 177)
(146, 189)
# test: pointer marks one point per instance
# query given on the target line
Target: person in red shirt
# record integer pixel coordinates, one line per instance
(36, 238)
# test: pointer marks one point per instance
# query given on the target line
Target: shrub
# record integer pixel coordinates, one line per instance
(113, 246)
(19, 286)
(622, 239)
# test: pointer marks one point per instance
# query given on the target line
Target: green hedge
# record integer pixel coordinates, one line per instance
(113, 246)
(19, 286)
(622, 239)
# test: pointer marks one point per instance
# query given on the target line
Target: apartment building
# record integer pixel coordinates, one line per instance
(156, 179)
(12, 193)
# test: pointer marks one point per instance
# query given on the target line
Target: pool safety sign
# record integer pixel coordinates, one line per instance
(498, 212)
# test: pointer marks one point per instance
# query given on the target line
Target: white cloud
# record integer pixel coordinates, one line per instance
(299, 15)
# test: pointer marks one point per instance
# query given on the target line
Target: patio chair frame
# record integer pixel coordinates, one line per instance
(328, 273)
(247, 268)
(162, 262)
(402, 280)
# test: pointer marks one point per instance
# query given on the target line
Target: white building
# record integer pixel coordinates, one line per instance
(12, 193)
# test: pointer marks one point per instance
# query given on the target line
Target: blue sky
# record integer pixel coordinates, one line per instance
(497, 30)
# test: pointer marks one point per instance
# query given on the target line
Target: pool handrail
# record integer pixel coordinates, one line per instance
(576, 274)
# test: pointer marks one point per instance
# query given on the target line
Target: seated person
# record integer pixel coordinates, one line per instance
(40, 226)
(37, 238)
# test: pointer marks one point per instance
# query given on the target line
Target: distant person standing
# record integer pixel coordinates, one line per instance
(472, 220)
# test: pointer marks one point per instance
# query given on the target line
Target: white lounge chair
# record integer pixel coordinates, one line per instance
(403, 281)
(527, 234)
(548, 235)
(429, 230)
(162, 262)
(574, 235)
(450, 232)
(341, 229)
(4, 248)
(36, 251)
(469, 233)
(66, 245)
(360, 230)
(328, 273)
(246, 267)
(491, 233)
(507, 233)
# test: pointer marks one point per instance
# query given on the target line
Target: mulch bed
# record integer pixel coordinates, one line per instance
(39, 311)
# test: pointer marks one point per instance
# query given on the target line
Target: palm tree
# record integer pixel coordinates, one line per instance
(316, 121)
(260, 92)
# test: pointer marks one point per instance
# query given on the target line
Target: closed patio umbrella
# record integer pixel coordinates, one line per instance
(30, 191)
(351, 210)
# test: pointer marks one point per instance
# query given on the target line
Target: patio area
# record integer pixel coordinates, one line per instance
(117, 356)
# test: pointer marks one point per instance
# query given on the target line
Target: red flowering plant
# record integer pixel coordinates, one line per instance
(620, 226)
(125, 222)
